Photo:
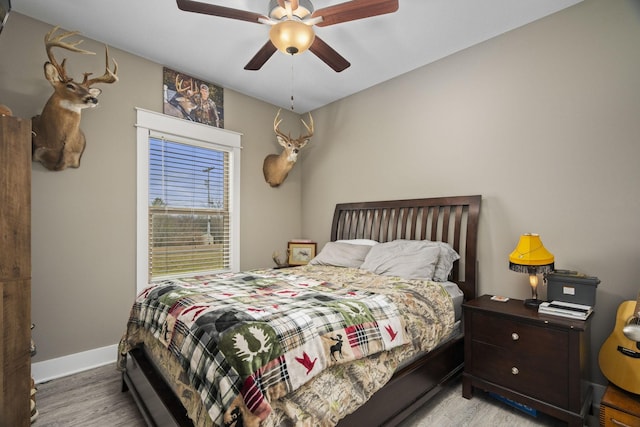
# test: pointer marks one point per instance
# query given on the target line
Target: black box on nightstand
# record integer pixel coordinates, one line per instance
(571, 286)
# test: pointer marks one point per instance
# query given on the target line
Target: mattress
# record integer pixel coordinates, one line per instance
(456, 296)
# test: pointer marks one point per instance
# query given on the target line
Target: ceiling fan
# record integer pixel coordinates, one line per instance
(291, 25)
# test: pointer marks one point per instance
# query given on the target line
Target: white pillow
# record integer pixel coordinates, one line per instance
(445, 262)
(341, 254)
(367, 242)
(409, 259)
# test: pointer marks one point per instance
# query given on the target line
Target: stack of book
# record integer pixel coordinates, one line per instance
(565, 309)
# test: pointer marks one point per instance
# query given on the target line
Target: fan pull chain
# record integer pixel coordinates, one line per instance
(291, 82)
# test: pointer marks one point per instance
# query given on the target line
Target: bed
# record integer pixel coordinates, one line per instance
(399, 378)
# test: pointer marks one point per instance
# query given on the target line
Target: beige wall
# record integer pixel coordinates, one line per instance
(543, 121)
(83, 220)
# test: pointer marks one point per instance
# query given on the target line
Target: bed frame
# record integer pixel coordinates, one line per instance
(449, 219)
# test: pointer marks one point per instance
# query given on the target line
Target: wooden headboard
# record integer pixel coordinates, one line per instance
(448, 219)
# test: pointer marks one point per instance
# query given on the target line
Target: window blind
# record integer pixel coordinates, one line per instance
(189, 213)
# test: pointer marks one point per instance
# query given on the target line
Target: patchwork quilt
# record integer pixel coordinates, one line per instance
(246, 340)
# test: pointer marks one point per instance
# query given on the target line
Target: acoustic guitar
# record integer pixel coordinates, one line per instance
(619, 356)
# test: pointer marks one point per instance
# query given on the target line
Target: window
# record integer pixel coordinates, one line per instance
(188, 216)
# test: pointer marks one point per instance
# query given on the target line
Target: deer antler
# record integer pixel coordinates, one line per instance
(108, 76)
(51, 42)
(276, 127)
(309, 129)
(183, 89)
(276, 124)
(58, 41)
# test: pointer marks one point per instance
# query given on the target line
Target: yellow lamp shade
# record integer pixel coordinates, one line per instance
(291, 36)
(531, 252)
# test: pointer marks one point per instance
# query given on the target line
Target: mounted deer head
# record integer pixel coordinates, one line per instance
(276, 167)
(58, 142)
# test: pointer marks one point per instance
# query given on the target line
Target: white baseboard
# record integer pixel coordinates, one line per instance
(72, 364)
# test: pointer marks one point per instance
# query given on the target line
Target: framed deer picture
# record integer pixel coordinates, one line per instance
(191, 99)
(300, 253)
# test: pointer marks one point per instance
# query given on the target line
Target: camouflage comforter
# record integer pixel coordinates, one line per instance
(264, 347)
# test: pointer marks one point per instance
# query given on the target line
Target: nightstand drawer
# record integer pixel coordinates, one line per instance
(530, 374)
(522, 338)
(610, 417)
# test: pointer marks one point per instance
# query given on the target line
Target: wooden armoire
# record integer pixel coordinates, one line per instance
(15, 271)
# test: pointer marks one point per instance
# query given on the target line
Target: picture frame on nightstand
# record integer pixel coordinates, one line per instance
(5, 8)
(300, 253)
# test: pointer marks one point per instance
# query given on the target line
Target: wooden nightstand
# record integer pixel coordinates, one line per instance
(619, 408)
(538, 360)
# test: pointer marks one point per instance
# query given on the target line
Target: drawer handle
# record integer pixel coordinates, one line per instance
(515, 371)
(515, 336)
(619, 423)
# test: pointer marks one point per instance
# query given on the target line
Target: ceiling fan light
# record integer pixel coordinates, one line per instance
(291, 36)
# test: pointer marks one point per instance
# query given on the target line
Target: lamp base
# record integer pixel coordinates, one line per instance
(533, 303)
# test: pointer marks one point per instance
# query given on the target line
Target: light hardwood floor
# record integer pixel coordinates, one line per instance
(93, 399)
(89, 399)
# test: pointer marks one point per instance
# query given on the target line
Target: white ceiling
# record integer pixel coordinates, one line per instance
(216, 49)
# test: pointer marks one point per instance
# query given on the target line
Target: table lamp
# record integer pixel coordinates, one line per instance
(530, 256)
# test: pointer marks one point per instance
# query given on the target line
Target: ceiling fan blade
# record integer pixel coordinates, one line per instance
(224, 12)
(354, 9)
(329, 56)
(261, 57)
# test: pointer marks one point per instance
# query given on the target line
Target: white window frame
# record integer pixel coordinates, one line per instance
(152, 124)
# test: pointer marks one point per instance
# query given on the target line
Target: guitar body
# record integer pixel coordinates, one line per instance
(619, 356)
